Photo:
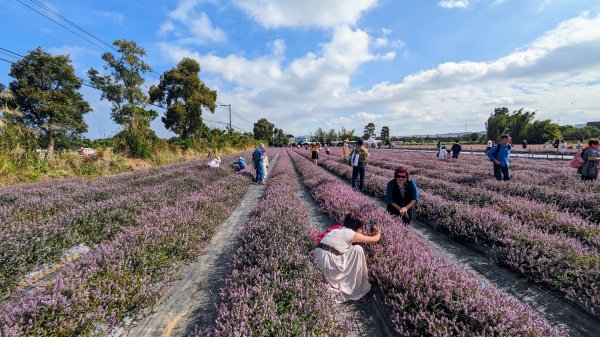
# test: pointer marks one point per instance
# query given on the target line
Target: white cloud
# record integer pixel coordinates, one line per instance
(365, 116)
(278, 47)
(454, 3)
(113, 16)
(166, 28)
(191, 27)
(290, 13)
(315, 90)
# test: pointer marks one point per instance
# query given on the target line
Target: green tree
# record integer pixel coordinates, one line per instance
(581, 133)
(345, 134)
(122, 87)
(263, 129)
(331, 137)
(385, 135)
(520, 121)
(498, 123)
(369, 131)
(185, 96)
(542, 131)
(46, 91)
(320, 135)
(279, 137)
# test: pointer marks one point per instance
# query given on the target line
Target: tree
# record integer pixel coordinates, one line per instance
(279, 137)
(542, 131)
(581, 133)
(46, 91)
(385, 135)
(263, 129)
(320, 135)
(520, 122)
(331, 137)
(369, 131)
(122, 87)
(185, 96)
(497, 123)
(344, 134)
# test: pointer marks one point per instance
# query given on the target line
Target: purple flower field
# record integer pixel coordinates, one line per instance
(428, 296)
(532, 224)
(163, 217)
(274, 289)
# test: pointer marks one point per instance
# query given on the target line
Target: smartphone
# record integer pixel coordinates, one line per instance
(372, 225)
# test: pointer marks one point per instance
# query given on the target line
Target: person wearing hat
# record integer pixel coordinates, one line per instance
(257, 160)
(499, 154)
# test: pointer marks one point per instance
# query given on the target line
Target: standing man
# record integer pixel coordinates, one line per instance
(257, 159)
(361, 165)
(499, 154)
(456, 148)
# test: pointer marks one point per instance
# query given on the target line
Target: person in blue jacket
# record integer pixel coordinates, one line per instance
(499, 154)
(257, 158)
(402, 195)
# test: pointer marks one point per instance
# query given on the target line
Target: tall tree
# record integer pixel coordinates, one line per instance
(385, 135)
(122, 87)
(331, 137)
(498, 123)
(46, 91)
(542, 131)
(369, 131)
(185, 96)
(344, 134)
(520, 121)
(263, 129)
(320, 135)
(279, 137)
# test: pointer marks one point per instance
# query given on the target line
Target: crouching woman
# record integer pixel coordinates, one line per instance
(344, 264)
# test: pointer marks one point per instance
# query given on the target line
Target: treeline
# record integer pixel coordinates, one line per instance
(521, 126)
(43, 107)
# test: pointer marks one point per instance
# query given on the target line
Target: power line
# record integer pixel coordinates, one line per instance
(11, 52)
(58, 23)
(5, 60)
(73, 24)
(47, 9)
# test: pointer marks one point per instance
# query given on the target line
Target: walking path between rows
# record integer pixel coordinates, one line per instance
(368, 315)
(553, 308)
(190, 304)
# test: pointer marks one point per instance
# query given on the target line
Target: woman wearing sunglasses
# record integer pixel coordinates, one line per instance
(402, 195)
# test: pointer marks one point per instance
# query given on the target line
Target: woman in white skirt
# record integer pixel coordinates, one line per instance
(343, 264)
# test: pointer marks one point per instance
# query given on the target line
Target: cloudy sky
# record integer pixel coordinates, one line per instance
(419, 67)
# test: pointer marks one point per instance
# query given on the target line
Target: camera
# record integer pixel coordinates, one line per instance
(372, 224)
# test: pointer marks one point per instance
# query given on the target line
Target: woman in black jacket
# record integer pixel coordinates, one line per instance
(402, 195)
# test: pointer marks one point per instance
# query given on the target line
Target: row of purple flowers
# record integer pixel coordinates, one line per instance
(273, 288)
(116, 278)
(555, 259)
(37, 230)
(428, 295)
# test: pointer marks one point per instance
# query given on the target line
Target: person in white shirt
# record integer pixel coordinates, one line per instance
(343, 264)
(442, 152)
(214, 163)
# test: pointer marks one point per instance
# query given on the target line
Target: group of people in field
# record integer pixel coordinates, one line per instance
(343, 262)
(337, 255)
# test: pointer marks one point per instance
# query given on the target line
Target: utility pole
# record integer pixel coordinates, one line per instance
(228, 105)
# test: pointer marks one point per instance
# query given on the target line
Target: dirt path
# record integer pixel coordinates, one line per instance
(369, 315)
(190, 305)
(553, 308)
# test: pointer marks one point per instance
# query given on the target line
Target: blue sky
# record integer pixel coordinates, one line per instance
(419, 67)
